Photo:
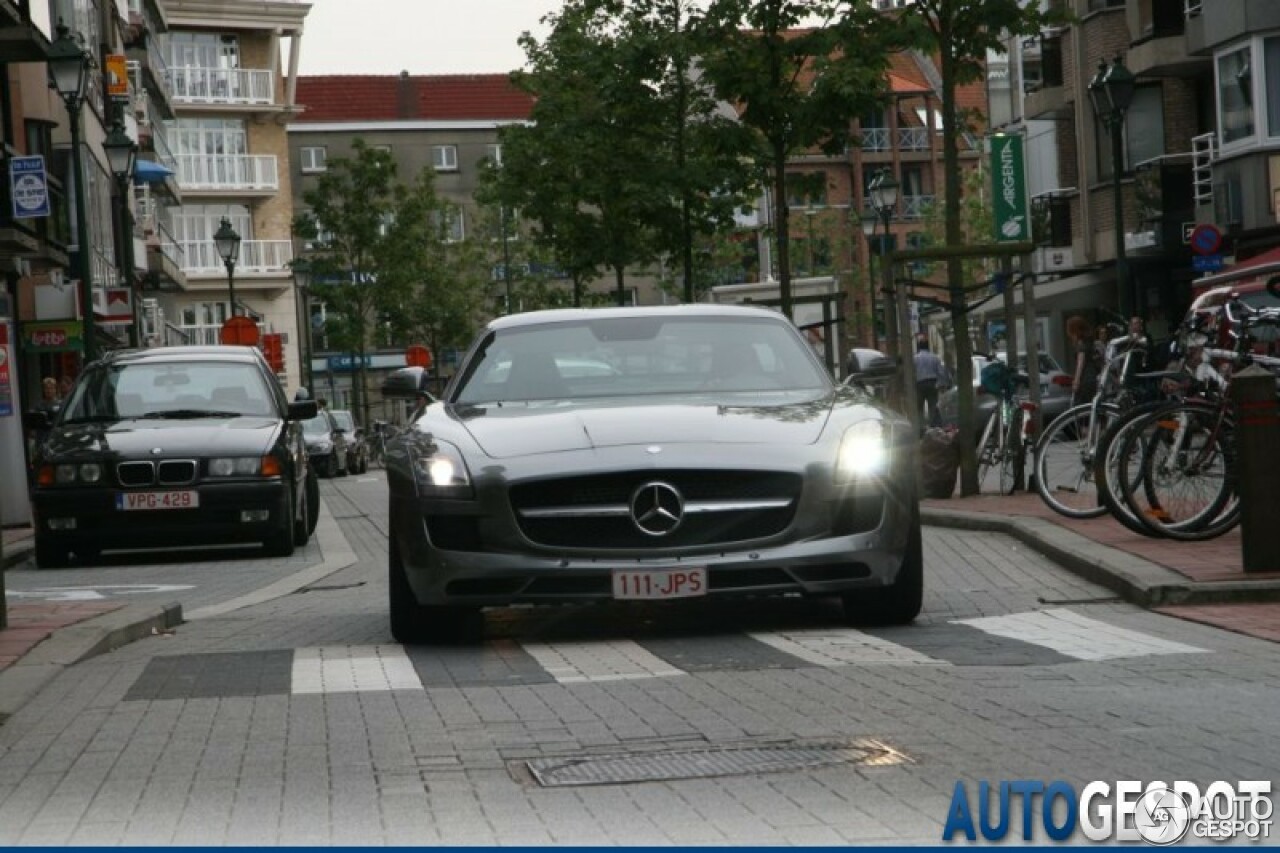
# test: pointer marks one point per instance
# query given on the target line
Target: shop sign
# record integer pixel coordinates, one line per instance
(59, 336)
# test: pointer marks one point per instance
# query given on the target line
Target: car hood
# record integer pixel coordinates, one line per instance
(510, 431)
(200, 437)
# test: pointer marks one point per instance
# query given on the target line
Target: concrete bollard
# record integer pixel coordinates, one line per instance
(1253, 393)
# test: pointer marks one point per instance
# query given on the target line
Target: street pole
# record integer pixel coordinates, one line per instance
(1122, 266)
(126, 228)
(84, 267)
(506, 257)
(231, 283)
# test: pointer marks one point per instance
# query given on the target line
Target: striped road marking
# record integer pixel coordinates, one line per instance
(1077, 636)
(843, 646)
(599, 660)
(349, 669)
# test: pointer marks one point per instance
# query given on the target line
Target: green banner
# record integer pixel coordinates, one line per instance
(53, 336)
(1009, 189)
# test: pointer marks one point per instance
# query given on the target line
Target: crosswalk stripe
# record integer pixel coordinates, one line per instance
(843, 646)
(599, 660)
(1077, 636)
(348, 669)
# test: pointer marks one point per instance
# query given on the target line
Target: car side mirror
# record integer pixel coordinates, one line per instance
(303, 410)
(870, 366)
(36, 420)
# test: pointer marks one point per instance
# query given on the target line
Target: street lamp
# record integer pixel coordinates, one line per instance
(69, 66)
(884, 198)
(302, 281)
(122, 154)
(228, 243)
(1111, 92)
(870, 219)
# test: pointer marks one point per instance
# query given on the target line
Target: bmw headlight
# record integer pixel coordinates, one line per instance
(441, 471)
(235, 466)
(864, 452)
(65, 474)
(90, 472)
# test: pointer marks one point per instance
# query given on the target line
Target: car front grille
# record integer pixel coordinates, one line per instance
(721, 507)
(166, 472)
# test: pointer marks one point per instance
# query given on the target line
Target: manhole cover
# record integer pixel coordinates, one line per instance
(704, 763)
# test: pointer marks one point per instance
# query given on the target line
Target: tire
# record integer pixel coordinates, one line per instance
(313, 499)
(416, 624)
(1110, 481)
(988, 448)
(51, 554)
(331, 466)
(302, 525)
(280, 542)
(1064, 471)
(900, 602)
(1009, 459)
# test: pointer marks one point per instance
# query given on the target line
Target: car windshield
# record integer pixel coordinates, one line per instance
(173, 389)
(645, 355)
(344, 421)
(319, 425)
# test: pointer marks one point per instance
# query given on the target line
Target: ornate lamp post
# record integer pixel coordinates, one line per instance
(870, 219)
(884, 198)
(69, 66)
(1111, 92)
(228, 243)
(122, 154)
(302, 281)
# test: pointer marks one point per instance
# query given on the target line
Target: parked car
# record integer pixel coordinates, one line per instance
(354, 438)
(172, 446)
(1055, 391)
(716, 458)
(326, 444)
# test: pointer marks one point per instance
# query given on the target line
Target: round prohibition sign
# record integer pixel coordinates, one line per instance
(1206, 239)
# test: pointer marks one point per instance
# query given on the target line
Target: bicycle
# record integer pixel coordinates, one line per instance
(383, 432)
(1008, 435)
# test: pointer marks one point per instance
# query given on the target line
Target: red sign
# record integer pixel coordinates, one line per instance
(240, 331)
(273, 349)
(417, 356)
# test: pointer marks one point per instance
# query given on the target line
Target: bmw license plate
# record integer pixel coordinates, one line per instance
(187, 499)
(664, 583)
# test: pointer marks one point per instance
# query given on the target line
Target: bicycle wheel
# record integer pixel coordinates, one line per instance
(1187, 471)
(1064, 461)
(1009, 457)
(1110, 457)
(988, 448)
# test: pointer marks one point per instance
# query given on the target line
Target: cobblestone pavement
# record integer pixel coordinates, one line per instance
(297, 720)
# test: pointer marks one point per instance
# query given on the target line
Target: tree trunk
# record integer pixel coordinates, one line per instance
(619, 276)
(782, 227)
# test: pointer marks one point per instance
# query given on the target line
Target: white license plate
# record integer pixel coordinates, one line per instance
(664, 583)
(188, 499)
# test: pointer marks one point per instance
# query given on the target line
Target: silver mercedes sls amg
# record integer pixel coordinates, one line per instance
(648, 454)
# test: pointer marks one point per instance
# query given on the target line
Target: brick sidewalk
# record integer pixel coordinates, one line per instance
(29, 624)
(1257, 620)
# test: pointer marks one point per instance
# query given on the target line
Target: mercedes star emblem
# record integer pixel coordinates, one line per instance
(657, 508)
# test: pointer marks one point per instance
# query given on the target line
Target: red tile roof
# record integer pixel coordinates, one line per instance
(446, 97)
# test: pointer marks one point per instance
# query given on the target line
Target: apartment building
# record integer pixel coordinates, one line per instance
(232, 96)
(1200, 146)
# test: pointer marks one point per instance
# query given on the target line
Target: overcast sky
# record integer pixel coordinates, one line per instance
(420, 36)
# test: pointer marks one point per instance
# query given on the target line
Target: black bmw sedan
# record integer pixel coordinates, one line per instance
(172, 446)
(648, 454)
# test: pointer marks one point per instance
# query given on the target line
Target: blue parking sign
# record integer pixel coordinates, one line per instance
(28, 187)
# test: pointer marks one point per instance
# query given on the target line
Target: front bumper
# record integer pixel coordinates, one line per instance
(495, 564)
(99, 524)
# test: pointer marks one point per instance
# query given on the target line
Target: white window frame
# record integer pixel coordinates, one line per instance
(308, 160)
(444, 158)
(493, 151)
(1253, 51)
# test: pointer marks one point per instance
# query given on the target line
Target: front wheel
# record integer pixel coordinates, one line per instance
(1064, 461)
(280, 543)
(1010, 463)
(413, 623)
(900, 602)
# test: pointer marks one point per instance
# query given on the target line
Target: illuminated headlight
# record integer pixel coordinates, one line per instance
(864, 452)
(91, 472)
(238, 466)
(442, 472)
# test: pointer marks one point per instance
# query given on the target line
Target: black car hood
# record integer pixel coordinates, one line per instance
(518, 430)
(202, 437)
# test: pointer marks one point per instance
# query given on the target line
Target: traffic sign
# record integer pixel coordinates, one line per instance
(28, 187)
(240, 331)
(417, 356)
(1206, 263)
(1206, 239)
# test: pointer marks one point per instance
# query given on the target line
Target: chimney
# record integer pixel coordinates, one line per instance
(406, 97)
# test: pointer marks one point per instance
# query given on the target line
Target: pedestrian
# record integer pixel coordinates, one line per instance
(50, 400)
(65, 384)
(1084, 383)
(930, 373)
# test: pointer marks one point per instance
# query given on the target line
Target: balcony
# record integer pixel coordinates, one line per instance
(908, 139)
(165, 257)
(151, 73)
(257, 257)
(222, 86)
(210, 334)
(1049, 97)
(1161, 47)
(916, 206)
(232, 173)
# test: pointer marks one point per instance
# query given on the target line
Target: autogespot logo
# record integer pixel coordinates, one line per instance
(657, 508)
(1155, 812)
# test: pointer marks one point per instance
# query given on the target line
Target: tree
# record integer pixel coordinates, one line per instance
(797, 88)
(349, 208)
(960, 33)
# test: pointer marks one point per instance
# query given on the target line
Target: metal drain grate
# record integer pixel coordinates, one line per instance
(705, 763)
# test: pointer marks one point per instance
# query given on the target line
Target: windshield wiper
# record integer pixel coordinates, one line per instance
(180, 414)
(90, 419)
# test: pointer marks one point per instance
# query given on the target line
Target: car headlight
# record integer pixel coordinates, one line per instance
(441, 471)
(235, 466)
(90, 472)
(64, 474)
(67, 474)
(864, 452)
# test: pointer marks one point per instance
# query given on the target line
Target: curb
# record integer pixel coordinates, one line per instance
(78, 642)
(1133, 578)
(16, 553)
